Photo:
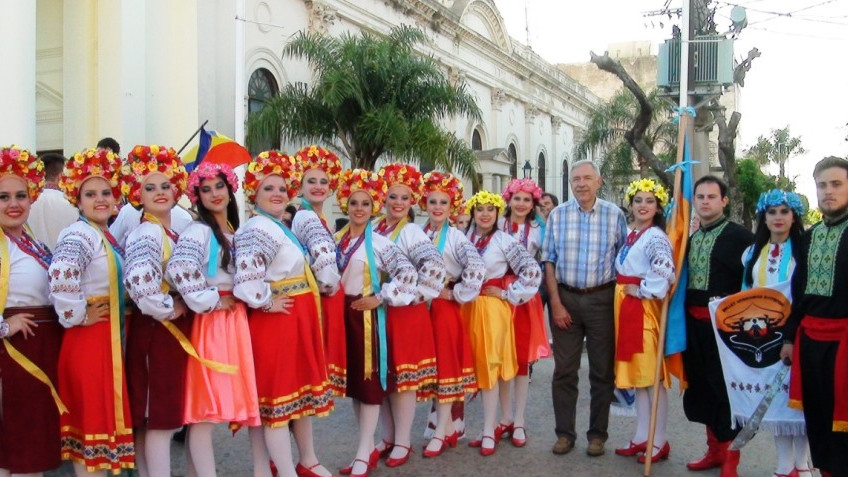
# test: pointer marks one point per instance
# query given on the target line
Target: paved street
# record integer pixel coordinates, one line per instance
(335, 437)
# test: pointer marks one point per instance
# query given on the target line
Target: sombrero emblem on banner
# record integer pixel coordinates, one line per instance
(750, 324)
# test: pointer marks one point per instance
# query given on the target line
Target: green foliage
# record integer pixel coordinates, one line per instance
(751, 182)
(776, 148)
(373, 95)
(812, 217)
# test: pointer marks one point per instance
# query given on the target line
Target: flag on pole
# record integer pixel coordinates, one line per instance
(217, 148)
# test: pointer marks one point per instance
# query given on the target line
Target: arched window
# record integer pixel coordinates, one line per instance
(476, 141)
(564, 180)
(513, 160)
(260, 89)
(542, 171)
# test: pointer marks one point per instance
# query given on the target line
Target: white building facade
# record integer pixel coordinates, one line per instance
(151, 71)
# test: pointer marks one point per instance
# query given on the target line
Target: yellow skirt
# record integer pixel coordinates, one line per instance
(639, 371)
(488, 321)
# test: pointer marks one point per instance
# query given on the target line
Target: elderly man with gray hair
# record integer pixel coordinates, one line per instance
(583, 238)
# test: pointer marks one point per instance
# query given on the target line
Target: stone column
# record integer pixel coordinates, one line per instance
(17, 83)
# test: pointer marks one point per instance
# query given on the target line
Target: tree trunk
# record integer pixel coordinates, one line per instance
(727, 157)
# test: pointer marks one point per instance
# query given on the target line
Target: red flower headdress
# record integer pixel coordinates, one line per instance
(270, 163)
(145, 160)
(314, 157)
(209, 170)
(443, 182)
(86, 164)
(522, 185)
(19, 162)
(354, 180)
(403, 174)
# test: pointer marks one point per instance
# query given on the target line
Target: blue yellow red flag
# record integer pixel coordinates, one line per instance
(217, 148)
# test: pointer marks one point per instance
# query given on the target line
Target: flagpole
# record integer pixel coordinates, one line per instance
(193, 136)
(683, 125)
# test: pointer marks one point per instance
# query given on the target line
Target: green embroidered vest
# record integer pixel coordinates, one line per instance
(700, 251)
(821, 259)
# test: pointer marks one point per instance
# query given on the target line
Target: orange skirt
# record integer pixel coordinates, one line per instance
(488, 322)
(335, 349)
(413, 349)
(291, 373)
(212, 396)
(531, 340)
(455, 366)
(97, 430)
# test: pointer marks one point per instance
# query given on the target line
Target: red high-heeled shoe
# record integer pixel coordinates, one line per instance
(437, 452)
(487, 452)
(663, 454)
(373, 459)
(399, 461)
(303, 471)
(452, 439)
(386, 450)
(368, 467)
(504, 430)
(632, 449)
(518, 442)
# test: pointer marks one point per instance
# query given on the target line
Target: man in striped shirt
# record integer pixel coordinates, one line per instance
(582, 240)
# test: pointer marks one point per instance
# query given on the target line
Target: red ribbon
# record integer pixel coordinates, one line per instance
(631, 322)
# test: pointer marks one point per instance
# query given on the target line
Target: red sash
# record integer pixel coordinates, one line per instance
(631, 322)
(700, 313)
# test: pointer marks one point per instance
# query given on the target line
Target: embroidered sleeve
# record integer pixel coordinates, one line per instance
(427, 261)
(473, 270)
(525, 267)
(311, 232)
(186, 270)
(255, 249)
(660, 275)
(143, 273)
(72, 255)
(399, 290)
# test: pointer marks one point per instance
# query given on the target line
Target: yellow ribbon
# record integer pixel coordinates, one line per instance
(17, 356)
(366, 321)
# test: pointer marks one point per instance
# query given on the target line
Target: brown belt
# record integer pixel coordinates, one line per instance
(40, 314)
(586, 291)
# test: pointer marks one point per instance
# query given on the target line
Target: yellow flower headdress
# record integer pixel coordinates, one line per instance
(485, 197)
(90, 163)
(27, 166)
(145, 160)
(270, 163)
(647, 185)
(352, 180)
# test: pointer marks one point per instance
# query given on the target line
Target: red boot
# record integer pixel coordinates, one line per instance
(715, 455)
(728, 469)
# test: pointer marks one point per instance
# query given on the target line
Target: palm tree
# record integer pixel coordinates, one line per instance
(608, 126)
(374, 95)
(777, 148)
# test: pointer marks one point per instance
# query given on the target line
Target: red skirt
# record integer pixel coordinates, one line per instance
(531, 340)
(413, 349)
(362, 387)
(156, 369)
(97, 430)
(455, 366)
(288, 352)
(332, 310)
(29, 429)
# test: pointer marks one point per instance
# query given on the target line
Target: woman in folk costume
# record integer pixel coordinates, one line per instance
(769, 261)
(442, 198)
(364, 257)
(488, 318)
(273, 277)
(645, 269)
(409, 327)
(86, 288)
(201, 269)
(31, 334)
(531, 340)
(321, 169)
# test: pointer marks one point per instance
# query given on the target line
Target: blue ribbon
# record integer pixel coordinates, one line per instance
(681, 111)
(381, 310)
(681, 164)
(783, 268)
(214, 247)
(285, 229)
(542, 224)
(443, 237)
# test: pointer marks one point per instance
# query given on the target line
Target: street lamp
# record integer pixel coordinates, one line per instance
(527, 168)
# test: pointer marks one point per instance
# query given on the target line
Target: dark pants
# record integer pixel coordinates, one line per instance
(592, 319)
(828, 449)
(705, 400)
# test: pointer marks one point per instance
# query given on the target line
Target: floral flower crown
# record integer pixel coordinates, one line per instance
(443, 182)
(86, 164)
(403, 174)
(314, 157)
(269, 163)
(19, 162)
(522, 185)
(352, 180)
(647, 185)
(209, 170)
(143, 161)
(485, 197)
(776, 197)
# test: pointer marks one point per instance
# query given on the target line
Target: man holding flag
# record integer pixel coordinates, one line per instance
(714, 270)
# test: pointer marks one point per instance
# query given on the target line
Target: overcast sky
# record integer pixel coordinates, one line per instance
(801, 79)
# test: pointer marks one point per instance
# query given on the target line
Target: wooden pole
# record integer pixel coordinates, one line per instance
(192, 136)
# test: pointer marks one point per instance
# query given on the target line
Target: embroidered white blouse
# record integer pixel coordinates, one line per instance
(534, 235)
(650, 259)
(463, 264)
(187, 268)
(772, 265)
(79, 270)
(424, 256)
(399, 290)
(29, 279)
(309, 229)
(144, 270)
(504, 253)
